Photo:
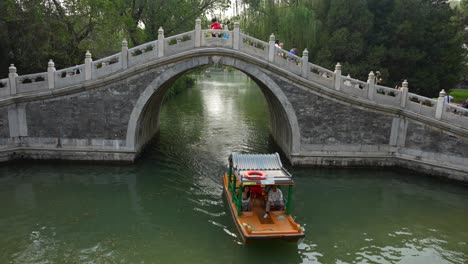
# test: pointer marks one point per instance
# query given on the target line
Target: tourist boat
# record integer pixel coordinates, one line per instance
(261, 172)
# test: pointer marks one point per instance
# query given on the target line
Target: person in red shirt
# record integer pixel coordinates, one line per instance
(215, 25)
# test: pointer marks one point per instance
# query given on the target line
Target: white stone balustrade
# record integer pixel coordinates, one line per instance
(12, 75)
(455, 115)
(253, 46)
(32, 82)
(106, 66)
(69, 76)
(440, 104)
(321, 75)
(218, 40)
(371, 86)
(404, 94)
(124, 55)
(305, 64)
(235, 40)
(160, 42)
(421, 105)
(337, 79)
(143, 53)
(88, 65)
(179, 43)
(271, 49)
(197, 42)
(236, 36)
(51, 74)
(387, 96)
(354, 87)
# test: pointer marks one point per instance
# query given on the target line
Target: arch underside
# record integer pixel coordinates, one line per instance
(144, 120)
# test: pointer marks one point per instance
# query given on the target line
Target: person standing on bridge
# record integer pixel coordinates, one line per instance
(215, 25)
(293, 51)
(378, 77)
(448, 98)
(281, 46)
(226, 27)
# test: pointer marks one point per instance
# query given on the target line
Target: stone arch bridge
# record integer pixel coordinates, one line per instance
(108, 109)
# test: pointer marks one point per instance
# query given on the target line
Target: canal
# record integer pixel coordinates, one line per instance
(169, 208)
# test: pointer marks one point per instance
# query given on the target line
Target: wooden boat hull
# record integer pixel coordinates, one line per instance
(252, 226)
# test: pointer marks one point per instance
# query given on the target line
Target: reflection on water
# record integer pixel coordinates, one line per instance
(169, 208)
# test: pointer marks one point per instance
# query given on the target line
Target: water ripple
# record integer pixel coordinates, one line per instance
(209, 213)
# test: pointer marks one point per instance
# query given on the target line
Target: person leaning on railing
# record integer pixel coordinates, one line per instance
(226, 27)
(215, 25)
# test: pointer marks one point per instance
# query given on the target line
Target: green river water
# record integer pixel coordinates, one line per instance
(169, 207)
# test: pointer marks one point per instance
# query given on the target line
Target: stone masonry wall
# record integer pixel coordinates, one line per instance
(4, 126)
(98, 113)
(425, 138)
(323, 121)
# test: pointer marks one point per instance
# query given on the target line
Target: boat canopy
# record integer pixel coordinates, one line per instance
(273, 172)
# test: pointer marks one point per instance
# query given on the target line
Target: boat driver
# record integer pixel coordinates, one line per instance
(275, 200)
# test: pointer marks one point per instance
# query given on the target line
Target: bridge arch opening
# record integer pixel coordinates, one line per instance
(144, 120)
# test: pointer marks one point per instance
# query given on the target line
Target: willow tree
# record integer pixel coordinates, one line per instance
(293, 23)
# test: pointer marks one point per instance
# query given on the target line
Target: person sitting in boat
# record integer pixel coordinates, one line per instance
(246, 199)
(275, 200)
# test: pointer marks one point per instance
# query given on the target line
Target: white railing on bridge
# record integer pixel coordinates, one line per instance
(69, 76)
(143, 53)
(266, 51)
(354, 87)
(32, 82)
(179, 43)
(216, 38)
(253, 46)
(421, 105)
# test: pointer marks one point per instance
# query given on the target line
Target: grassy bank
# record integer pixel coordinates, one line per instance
(459, 95)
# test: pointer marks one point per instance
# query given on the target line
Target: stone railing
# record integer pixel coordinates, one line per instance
(142, 54)
(233, 40)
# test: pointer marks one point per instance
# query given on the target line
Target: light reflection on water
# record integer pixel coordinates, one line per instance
(169, 208)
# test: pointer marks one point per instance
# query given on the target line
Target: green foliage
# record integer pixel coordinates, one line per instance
(417, 40)
(179, 85)
(459, 95)
(34, 31)
(286, 21)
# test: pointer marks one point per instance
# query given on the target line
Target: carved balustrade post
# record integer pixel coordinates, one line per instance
(12, 79)
(124, 54)
(271, 49)
(160, 42)
(371, 82)
(198, 33)
(88, 65)
(305, 64)
(51, 74)
(440, 104)
(236, 36)
(337, 79)
(404, 94)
